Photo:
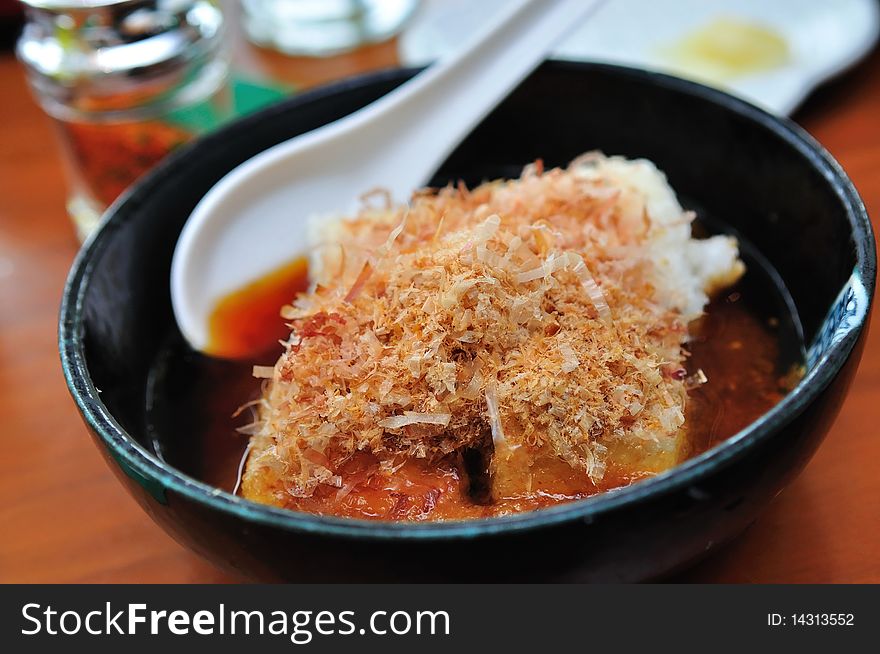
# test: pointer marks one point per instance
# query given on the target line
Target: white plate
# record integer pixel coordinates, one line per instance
(824, 37)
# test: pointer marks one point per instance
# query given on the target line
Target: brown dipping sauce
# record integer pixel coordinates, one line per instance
(747, 344)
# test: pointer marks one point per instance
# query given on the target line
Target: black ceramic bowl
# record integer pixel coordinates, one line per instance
(761, 175)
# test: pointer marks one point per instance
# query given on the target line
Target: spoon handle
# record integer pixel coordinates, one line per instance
(422, 121)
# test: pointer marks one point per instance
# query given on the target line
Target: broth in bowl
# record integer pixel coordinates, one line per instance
(481, 352)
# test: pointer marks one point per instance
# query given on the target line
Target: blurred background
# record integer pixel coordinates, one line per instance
(93, 93)
(127, 82)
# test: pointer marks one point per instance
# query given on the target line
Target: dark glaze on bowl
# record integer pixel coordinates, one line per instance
(759, 174)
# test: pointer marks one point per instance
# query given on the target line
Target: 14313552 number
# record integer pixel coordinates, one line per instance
(811, 620)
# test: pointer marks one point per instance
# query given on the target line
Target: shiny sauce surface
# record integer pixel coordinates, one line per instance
(246, 321)
(747, 344)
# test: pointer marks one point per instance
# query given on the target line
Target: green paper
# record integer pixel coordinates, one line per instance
(247, 96)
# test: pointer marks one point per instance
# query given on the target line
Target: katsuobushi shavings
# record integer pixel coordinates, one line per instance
(544, 318)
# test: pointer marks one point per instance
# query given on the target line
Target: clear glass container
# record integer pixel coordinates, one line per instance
(126, 82)
(321, 28)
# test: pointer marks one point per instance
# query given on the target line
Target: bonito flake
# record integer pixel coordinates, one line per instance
(541, 320)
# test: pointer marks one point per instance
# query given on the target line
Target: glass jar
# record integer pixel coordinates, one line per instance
(322, 28)
(126, 82)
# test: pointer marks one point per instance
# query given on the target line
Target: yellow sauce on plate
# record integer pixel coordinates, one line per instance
(728, 48)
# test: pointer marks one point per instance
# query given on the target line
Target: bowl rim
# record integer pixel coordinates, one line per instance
(148, 468)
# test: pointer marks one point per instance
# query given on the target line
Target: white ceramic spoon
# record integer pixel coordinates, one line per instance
(254, 219)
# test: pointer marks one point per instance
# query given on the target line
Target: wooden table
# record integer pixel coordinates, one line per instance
(65, 518)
